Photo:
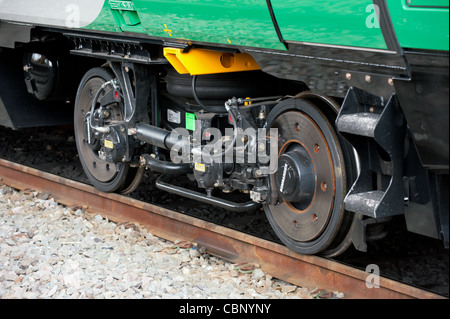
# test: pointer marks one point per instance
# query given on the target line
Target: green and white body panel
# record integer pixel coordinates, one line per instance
(249, 23)
(418, 24)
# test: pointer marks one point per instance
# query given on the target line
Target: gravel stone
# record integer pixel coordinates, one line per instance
(51, 251)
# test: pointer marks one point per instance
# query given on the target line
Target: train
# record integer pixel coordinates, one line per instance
(331, 116)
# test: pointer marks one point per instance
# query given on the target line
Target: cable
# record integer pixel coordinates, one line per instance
(94, 102)
(194, 80)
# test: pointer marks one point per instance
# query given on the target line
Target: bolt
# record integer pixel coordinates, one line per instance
(391, 82)
(142, 161)
(262, 115)
(368, 78)
(348, 76)
(261, 147)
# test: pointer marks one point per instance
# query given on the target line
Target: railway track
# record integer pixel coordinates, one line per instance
(232, 245)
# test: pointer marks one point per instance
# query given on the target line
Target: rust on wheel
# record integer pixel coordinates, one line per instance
(310, 181)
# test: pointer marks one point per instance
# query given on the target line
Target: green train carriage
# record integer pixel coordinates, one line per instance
(357, 93)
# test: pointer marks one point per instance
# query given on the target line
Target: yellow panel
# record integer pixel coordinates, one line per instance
(201, 61)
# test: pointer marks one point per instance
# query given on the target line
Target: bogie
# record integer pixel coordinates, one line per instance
(329, 136)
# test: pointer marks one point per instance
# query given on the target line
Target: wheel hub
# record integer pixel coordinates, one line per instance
(295, 177)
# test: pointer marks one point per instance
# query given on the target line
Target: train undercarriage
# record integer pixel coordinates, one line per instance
(328, 169)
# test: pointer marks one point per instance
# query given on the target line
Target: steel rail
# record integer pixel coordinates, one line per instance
(234, 246)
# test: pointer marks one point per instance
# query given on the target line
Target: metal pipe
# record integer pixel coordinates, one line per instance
(166, 167)
(219, 202)
(156, 136)
(155, 108)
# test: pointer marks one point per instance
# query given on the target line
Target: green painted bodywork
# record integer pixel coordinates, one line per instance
(348, 23)
(244, 22)
(420, 27)
(248, 22)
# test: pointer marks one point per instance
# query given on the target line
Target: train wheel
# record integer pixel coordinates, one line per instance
(105, 176)
(311, 181)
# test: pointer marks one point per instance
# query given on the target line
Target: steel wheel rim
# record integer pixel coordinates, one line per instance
(309, 223)
(321, 235)
(100, 169)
